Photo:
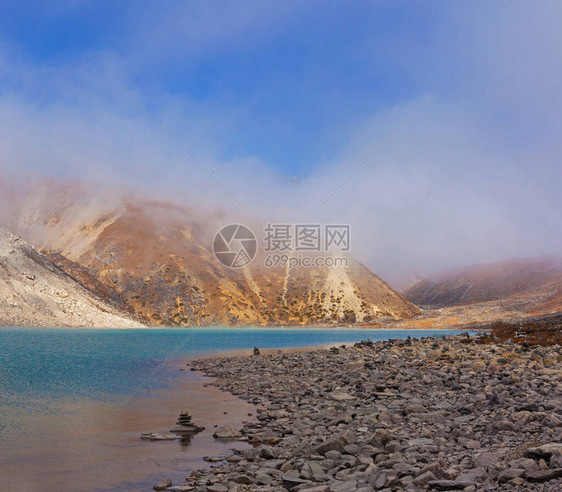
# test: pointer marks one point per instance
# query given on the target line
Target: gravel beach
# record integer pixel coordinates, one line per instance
(429, 414)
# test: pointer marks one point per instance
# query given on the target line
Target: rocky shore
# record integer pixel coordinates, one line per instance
(429, 414)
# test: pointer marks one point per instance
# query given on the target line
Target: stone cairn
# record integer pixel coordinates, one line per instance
(185, 426)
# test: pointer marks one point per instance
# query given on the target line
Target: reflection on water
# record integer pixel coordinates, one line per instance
(89, 445)
(185, 441)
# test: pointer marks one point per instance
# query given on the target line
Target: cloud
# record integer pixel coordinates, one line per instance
(473, 177)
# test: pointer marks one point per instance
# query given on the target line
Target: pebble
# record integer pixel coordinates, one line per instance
(429, 414)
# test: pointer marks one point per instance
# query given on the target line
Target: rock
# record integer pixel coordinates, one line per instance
(449, 484)
(330, 445)
(268, 453)
(543, 475)
(243, 479)
(555, 461)
(311, 470)
(154, 436)
(506, 425)
(185, 426)
(420, 442)
(352, 449)
(488, 458)
(510, 474)
(263, 479)
(363, 419)
(341, 396)
(546, 451)
(377, 479)
(346, 486)
(225, 432)
(424, 478)
(186, 429)
(333, 455)
(163, 485)
(290, 482)
(472, 475)
(472, 444)
(217, 487)
(434, 468)
(517, 481)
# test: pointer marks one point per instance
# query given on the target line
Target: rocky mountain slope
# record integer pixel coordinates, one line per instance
(35, 292)
(537, 281)
(156, 257)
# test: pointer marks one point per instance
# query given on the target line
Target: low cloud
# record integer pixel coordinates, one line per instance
(474, 176)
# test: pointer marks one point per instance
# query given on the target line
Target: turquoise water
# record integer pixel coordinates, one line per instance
(108, 364)
(65, 416)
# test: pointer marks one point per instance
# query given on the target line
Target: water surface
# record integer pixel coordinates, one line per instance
(66, 420)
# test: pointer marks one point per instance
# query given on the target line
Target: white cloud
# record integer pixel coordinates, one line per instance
(473, 177)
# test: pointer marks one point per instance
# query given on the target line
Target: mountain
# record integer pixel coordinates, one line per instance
(156, 258)
(535, 280)
(35, 292)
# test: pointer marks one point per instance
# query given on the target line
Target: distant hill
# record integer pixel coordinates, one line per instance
(35, 292)
(537, 280)
(156, 258)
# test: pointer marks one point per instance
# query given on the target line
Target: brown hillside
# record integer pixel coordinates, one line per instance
(157, 258)
(536, 280)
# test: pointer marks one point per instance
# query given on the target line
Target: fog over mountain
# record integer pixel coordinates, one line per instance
(472, 176)
(154, 259)
(538, 281)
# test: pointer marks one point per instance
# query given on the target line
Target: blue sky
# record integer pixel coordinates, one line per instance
(282, 100)
(292, 81)
(296, 80)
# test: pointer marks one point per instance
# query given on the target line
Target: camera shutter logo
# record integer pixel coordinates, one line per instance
(235, 246)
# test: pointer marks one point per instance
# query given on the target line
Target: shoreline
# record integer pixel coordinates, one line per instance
(350, 419)
(304, 348)
(241, 328)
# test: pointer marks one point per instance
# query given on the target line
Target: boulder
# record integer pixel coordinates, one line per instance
(225, 432)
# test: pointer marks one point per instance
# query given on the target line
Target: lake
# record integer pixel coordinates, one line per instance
(73, 402)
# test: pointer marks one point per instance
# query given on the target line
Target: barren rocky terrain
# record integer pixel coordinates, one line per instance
(531, 284)
(35, 292)
(157, 258)
(465, 316)
(429, 414)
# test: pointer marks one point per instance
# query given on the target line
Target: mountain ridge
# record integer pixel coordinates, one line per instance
(157, 258)
(510, 280)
